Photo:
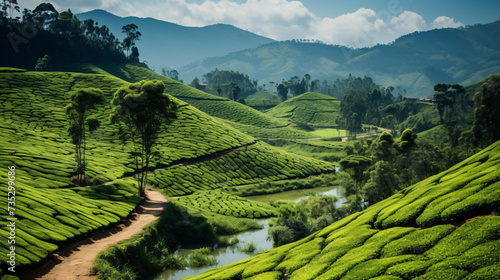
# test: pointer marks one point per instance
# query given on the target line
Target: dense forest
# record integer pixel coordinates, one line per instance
(46, 37)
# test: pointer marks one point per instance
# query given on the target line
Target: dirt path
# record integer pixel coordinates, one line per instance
(75, 261)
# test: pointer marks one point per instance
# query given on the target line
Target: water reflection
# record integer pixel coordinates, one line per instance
(231, 254)
(225, 255)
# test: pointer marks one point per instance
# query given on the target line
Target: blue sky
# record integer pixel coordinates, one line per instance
(356, 23)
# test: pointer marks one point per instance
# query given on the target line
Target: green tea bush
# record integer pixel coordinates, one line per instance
(417, 242)
(310, 107)
(445, 274)
(466, 237)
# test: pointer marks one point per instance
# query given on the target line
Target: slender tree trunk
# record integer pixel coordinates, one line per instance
(83, 157)
(146, 174)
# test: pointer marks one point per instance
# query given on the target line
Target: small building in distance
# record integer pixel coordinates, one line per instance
(415, 99)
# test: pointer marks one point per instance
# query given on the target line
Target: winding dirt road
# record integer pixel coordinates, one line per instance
(75, 260)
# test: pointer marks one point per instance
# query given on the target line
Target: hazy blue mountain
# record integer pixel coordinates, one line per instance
(416, 62)
(165, 44)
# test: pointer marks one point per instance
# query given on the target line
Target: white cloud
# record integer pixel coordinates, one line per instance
(356, 29)
(445, 22)
(408, 22)
(277, 19)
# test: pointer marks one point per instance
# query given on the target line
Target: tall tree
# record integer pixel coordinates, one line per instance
(236, 92)
(83, 101)
(133, 35)
(487, 101)
(139, 113)
(282, 92)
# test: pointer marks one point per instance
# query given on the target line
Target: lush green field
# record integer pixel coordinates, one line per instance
(35, 140)
(311, 107)
(426, 231)
(329, 133)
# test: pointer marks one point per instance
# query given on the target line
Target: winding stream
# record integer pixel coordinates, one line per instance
(228, 255)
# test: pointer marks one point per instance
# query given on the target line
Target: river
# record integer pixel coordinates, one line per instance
(228, 255)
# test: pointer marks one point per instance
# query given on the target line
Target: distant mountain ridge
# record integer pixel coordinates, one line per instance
(415, 62)
(169, 45)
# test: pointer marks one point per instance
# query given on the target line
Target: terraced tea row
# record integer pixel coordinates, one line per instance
(35, 129)
(222, 203)
(247, 165)
(213, 105)
(415, 234)
(47, 218)
(311, 107)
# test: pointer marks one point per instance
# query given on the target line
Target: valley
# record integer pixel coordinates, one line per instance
(260, 159)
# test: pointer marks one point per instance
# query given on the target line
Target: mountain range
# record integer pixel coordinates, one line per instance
(414, 62)
(169, 45)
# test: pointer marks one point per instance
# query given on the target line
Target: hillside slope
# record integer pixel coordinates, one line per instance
(239, 116)
(311, 107)
(215, 106)
(51, 212)
(415, 62)
(431, 230)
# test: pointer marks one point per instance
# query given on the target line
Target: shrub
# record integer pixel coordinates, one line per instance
(200, 257)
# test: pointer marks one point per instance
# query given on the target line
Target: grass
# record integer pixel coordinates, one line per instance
(200, 257)
(329, 133)
(398, 238)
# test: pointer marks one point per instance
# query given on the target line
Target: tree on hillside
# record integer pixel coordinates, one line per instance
(172, 74)
(352, 111)
(487, 100)
(9, 6)
(43, 63)
(83, 101)
(355, 166)
(451, 102)
(45, 14)
(226, 81)
(133, 35)
(236, 92)
(134, 56)
(282, 92)
(140, 111)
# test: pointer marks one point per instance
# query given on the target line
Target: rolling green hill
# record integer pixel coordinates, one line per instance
(213, 105)
(239, 116)
(311, 107)
(35, 140)
(439, 228)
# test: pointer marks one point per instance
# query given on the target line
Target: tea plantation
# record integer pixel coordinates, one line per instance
(222, 203)
(311, 107)
(440, 228)
(213, 105)
(35, 140)
(256, 163)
